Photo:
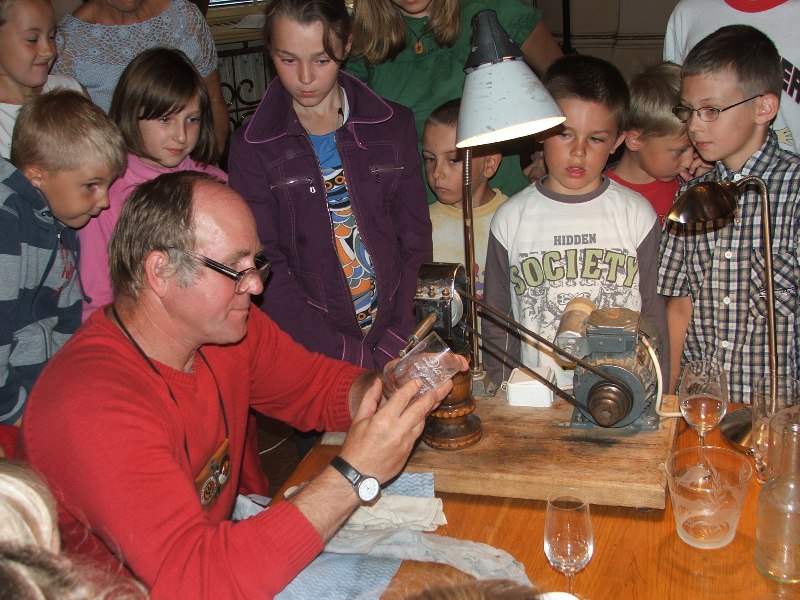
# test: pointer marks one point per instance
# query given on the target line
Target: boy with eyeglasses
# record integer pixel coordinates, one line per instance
(714, 273)
(692, 20)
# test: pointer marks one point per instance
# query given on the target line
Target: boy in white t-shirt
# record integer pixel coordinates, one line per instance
(573, 233)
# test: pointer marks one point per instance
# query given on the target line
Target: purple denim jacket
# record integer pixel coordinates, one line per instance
(273, 165)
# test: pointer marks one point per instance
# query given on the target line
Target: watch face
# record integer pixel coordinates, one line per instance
(368, 489)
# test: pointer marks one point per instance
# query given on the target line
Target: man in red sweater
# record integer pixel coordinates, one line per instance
(138, 423)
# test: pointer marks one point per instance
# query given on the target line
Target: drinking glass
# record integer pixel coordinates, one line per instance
(568, 537)
(703, 395)
(707, 487)
(431, 362)
(766, 403)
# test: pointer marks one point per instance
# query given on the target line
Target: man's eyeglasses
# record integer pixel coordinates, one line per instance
(706, 113)
(246, 279)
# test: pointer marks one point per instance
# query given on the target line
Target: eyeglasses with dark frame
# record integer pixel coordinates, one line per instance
(244, 279)
(705, 113)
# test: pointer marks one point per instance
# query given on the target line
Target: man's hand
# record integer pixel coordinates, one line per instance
(384, 430)
(378, 444)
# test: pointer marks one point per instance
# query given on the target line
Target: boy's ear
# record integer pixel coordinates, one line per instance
(766, 108)
(633, 139)
(491, 162)
(35, 174)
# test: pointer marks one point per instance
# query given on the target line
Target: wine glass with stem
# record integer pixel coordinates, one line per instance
(703, 395)
(568, 537)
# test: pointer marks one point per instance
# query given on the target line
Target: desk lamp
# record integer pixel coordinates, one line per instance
(712, 200)
(502, 100)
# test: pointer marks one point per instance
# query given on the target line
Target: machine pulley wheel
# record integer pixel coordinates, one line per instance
(609, 403)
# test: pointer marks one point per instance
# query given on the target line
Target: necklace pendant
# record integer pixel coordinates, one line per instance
(418, 47)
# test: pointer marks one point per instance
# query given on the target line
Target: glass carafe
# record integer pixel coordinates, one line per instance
(777, 552)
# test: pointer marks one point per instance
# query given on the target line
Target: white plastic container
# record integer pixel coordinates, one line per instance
(524, 390)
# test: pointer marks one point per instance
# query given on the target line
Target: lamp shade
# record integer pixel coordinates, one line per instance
(706, 201)
(502, 98)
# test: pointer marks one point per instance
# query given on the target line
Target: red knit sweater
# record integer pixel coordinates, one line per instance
(102, 429)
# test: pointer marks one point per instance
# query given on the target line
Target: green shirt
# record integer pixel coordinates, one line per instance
(424, 81)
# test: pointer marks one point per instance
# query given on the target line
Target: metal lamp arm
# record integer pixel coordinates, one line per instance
(769, 286)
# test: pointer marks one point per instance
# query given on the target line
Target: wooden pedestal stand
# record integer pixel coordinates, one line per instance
(454, 425)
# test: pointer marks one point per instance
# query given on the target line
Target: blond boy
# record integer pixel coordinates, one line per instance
(658, 153)
(66, 153)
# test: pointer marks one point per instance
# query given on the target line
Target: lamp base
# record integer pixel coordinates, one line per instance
(453, 425)
(737, 428)
(482, 386)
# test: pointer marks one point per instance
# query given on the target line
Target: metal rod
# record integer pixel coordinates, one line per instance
(420, 332)
(520, 365)
(522, 329)
(566, 34)
(766, 239)
(469, 256)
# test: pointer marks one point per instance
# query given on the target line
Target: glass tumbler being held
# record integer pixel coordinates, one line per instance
(777, 552)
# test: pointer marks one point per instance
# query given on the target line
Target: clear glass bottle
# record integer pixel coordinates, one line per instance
(778, 527)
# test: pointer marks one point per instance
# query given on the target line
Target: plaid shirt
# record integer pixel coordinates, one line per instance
(720, 266)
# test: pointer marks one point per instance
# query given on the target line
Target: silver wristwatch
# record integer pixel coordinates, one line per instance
(367, 488)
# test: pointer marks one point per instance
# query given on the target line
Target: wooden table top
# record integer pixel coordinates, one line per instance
(637, 554)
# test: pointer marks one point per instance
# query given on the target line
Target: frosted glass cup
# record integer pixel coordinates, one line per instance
(431, 362)
(707, 486)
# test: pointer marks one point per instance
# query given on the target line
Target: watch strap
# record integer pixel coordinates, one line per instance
(345, 468)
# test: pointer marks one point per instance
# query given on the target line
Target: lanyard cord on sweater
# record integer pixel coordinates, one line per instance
(169, 389)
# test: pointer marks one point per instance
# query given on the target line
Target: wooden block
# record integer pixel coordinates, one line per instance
(527, 453)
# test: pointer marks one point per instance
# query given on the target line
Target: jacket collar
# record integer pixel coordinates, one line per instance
(16, 181)
(275, 116)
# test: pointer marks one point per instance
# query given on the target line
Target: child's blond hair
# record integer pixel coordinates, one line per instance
(63, 130)
(27, 508)
(654, 93)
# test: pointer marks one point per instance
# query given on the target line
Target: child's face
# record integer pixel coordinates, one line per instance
(577, 154)
(168, 140)
(734, 136)
(443, 165)
(303, 66)
(27, 49)
(74, 196)
(665, 157)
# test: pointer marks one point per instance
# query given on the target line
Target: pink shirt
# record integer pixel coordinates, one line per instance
(94, 237)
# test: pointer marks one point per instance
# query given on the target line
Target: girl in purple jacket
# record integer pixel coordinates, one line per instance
(332, 174)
